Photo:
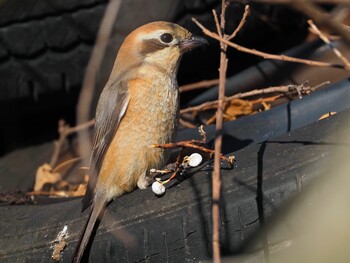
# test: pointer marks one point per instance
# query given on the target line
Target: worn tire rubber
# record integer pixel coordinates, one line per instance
(140, 227)
(45, 45)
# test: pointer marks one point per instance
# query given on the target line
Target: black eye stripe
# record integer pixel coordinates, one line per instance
(166, 38)
(150, 46)
(155, 44)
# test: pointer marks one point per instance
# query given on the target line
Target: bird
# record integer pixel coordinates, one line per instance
(138, 107)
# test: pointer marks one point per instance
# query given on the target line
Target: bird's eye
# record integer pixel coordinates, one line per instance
(166, 38)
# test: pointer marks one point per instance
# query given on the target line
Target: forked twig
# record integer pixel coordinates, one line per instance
(216, 187)
(241, 23)
(218, 29)
(198, 85)
(320, 17)
(189, 144)
(64, 130)
(329, 43)
(90, 76)
(194, 144)
(267, 55)
(303, 88)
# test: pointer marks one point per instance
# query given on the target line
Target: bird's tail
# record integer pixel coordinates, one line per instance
(96, 209)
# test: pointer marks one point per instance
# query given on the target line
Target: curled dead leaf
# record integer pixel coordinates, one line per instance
(44, 175)
(327, 115)
(238, 107)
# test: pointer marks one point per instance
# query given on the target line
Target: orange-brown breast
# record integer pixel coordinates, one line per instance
(151, 117)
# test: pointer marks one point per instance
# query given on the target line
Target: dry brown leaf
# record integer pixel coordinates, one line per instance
(234, 109)
(265, 101)
(59, 188)
(327, 115)
(47, 176)
(80, 191)
(265, 105)
(44, 175)
(239, 107)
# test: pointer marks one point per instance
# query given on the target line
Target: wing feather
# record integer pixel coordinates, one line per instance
(110, 110)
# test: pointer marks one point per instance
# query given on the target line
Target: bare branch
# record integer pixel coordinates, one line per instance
(186, 123)
(190, 144)
(199, 85)
(329, 43)
(278, 89)
(216, 181)
(267, 55)
(320, 17)
(218, 29)
(64, 131)
(95, 62)
(241, 23)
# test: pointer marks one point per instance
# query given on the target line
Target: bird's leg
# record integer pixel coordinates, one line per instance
(145, 180)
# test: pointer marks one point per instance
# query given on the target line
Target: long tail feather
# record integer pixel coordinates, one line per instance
(97, 208)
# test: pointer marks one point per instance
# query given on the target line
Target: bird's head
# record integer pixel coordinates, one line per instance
(158, 44)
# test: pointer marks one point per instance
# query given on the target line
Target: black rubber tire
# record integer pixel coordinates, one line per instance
(177, 227)
(278, 120)
(45, 45)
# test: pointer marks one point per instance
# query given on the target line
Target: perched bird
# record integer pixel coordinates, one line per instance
(139, 106)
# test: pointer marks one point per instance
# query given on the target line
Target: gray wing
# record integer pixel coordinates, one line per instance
(111, 108)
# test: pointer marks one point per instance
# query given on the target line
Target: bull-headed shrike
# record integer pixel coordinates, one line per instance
(138, 107)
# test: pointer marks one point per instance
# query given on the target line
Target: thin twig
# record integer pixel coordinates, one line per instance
(264, 54)
(181, 163)
(186, 123)
(198, 85)
(64, 131)
(241, 23)
(218, 29)
(329, 43)
(62, 127)
(278, 89)
(95, 62)
(63, 193)
(190, 144)
(65, 163)
(216, 181)
(330, 37)
(320, 17)
(81, 127)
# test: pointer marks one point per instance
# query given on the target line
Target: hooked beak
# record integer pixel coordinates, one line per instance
(192, 42)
